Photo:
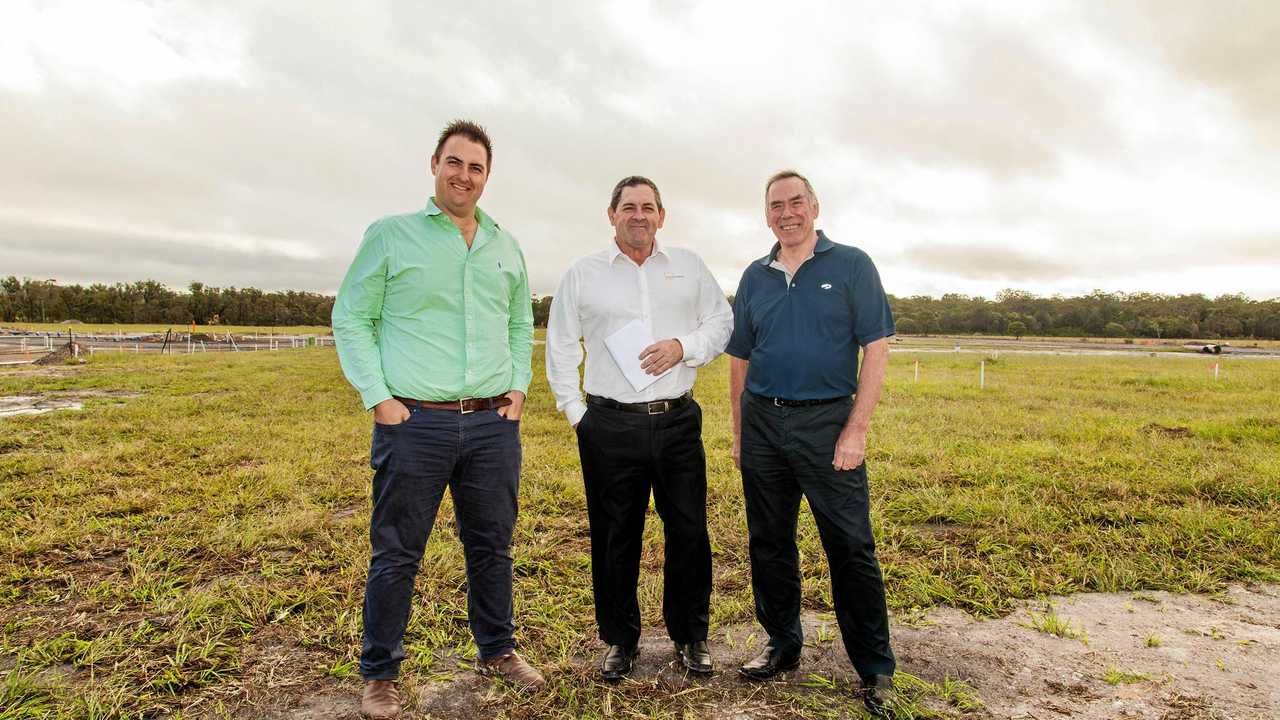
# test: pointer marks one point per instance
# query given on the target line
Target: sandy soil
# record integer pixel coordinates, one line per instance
(1184, 657)
(1214, 657)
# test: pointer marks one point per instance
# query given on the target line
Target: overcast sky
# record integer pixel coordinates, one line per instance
(967, 146)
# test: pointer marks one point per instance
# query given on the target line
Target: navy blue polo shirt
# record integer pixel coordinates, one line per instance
(802, 340)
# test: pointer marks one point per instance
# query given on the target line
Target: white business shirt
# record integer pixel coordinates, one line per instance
(672, 293)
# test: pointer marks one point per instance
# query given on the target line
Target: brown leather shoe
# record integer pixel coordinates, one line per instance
(381, 700)
(513, 669)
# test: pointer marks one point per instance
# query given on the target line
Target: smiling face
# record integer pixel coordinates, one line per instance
(790, 211)
(637, 218)
(461, 170)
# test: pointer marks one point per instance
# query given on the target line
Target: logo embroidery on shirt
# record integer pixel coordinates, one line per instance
(672, 276)
(825, 286)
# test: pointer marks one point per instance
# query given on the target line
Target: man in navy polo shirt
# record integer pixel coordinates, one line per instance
(800, 427)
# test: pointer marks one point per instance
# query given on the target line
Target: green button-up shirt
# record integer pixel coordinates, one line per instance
(421, 315)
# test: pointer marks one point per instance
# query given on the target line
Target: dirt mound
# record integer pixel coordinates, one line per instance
(62, 353)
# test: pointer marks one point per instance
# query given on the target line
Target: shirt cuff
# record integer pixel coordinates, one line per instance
(374, 395)
(686, 342)
(574, 411)
(521, 384)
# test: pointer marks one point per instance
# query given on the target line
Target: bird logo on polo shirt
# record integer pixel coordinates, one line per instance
(825, 286)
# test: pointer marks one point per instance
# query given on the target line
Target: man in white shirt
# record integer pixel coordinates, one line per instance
(632, 439)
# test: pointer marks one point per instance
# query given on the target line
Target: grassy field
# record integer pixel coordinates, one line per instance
(109, 329)
(195, 540)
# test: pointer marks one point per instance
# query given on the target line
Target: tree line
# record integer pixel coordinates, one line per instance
(151, 302)
(1012, 312)
(1098, 314)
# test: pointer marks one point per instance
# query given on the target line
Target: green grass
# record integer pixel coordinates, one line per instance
(204, 544)
(1114, 676)
(1050, 623)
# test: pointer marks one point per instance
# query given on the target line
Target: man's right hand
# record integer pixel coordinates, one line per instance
(390, 412)
(737, 450)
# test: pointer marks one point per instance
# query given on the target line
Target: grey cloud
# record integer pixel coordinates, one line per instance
(77, 255)
(986, 261)
(1007, 108)
(336, 115)
(1229, 47)
(1108, 261)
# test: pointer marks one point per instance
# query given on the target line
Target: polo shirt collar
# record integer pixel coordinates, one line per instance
(824, 244)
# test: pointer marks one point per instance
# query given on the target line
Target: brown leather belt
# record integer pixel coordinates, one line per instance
(464, 406)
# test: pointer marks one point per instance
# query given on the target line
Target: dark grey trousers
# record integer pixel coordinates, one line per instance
(786, 453)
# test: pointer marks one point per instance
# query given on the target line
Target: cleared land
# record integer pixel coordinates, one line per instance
(193, 541)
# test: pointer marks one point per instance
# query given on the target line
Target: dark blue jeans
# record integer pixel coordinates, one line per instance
(787, 453)
(477, 456)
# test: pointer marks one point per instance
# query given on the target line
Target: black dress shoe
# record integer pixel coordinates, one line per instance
(771, 661)
(878, 694)
(695, 656)
(617, 662)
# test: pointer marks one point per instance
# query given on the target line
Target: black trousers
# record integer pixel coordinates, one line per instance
(786, 453)
(624, 455)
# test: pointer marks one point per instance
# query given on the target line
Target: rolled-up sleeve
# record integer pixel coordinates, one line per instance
(357, 313)
(564, 351)
(715, 321)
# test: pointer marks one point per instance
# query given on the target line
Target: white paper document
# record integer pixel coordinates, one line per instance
(625, 345)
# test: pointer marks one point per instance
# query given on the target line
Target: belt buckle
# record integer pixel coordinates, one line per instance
(777, 402)
(462, 407)
(665, 407)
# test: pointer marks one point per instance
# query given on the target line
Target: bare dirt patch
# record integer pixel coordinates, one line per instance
(1140, 655)
(40, 404)
(32, 405)
(1144, 655)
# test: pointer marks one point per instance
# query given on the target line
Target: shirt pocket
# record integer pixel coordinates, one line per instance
(829, 304)
(494, 279)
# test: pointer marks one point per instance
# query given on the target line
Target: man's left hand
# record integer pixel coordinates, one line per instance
(512, 411)
(661, 356)
(851, 448)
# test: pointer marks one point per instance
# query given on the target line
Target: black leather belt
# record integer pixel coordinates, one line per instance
(657, 407)
(783, 402)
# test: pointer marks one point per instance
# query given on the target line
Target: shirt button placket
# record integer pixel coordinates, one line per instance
(646, 317)
(645, 314)
(469, 328)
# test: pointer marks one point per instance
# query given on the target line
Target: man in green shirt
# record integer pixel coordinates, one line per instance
(434, 328)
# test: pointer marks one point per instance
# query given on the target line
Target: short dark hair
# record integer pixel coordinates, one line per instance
(469, 130)
(633, 181)
(786, 175)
